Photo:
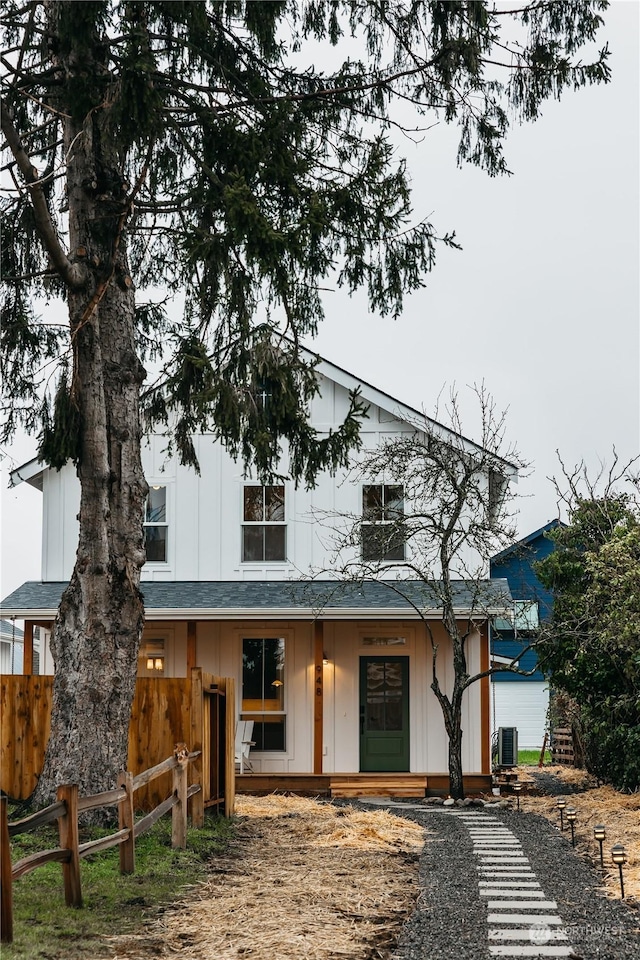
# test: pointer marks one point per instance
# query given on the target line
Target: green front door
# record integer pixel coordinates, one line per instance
(384, 714)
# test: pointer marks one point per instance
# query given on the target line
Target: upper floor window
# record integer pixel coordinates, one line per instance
(263, 528)
(382, 517)
(155, 525)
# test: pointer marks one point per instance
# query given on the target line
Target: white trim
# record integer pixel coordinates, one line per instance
(271, 613)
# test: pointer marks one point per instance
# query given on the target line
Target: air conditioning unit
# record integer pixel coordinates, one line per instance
(507, 747)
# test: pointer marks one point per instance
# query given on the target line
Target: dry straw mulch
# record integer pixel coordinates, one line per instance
(619, 812)
(302, 879)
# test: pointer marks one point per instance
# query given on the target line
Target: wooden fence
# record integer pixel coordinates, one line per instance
(66, 810)
(562, 746)
(198, 710)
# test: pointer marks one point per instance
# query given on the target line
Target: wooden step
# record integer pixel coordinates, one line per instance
(389, 785)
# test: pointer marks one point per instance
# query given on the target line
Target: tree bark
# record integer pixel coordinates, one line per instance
(97, 632)
(456, 782)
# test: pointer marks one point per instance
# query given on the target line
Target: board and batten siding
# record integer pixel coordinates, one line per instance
(524, 706)
(204, 513)
(219, 648)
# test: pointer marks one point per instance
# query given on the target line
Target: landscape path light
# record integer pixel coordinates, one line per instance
(517, 787)
(561, 804)
(572, 816)
(600, 834)
(619, 856)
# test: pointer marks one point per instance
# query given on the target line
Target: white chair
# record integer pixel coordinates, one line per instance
(244, 729)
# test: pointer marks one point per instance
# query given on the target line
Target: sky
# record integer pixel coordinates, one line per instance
(542, 304)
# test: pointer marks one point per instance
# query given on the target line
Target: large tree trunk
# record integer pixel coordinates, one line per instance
(456, 782)
(97, 632)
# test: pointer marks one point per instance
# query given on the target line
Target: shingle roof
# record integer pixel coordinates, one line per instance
(286, 598)
(9, 631)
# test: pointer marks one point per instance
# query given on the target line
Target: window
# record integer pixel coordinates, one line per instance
(155, 525)
(497, 491)
(152, 658)
(525, 618)
(382, 522)
(264, 528)
(263, 690)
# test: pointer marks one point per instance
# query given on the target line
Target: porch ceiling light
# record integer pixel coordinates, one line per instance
(276, 683)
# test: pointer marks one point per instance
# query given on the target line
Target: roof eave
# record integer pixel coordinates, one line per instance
(279, 613)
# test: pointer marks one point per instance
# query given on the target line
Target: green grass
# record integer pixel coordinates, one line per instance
(531, 758)
(44, 927)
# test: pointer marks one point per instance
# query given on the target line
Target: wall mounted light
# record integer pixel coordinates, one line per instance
(325, 658)
(561, 804)
(619, 857)
(572, 816)
(276, 683)
(600, 834)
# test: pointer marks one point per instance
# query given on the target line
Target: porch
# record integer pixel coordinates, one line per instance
(407, 785)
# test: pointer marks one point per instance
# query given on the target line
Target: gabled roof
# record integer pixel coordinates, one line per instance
(32, 471)
(10, 632)
(284, 600)
(520, 545)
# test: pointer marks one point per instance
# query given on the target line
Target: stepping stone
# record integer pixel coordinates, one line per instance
(510, 892)
(490, 884)
(494, 838)
(526, 934)
(522, 905)
(531, 951)
(506, 861)
(490, 828)
(549, 919)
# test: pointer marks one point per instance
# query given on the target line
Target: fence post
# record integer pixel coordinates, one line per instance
(6, 880)
(197, 740)
(126, 819)
(179, 811)
(69, 840)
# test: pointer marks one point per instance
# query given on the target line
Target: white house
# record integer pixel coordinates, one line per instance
(336, 677)
(11, 645)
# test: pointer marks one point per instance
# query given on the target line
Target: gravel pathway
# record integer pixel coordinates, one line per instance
(457, 910)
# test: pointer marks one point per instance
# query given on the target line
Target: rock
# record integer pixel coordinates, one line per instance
(449, 802)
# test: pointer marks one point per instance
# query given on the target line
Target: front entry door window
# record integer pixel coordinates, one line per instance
(384, 714)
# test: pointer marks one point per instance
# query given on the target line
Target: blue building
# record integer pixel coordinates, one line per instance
(519, 701)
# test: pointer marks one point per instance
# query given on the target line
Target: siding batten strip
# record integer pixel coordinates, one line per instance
(318, 694)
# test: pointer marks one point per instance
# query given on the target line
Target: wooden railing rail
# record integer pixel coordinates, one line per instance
(108, 799)
(66, 810)
(39, 819)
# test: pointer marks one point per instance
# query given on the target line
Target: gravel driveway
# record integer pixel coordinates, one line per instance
(451, 920)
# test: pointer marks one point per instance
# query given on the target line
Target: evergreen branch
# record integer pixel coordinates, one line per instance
(72, 274)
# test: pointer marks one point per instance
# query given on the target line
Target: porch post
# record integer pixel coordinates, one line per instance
(191, 647)
(27, 662)
(485, 707)
(318, 695)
